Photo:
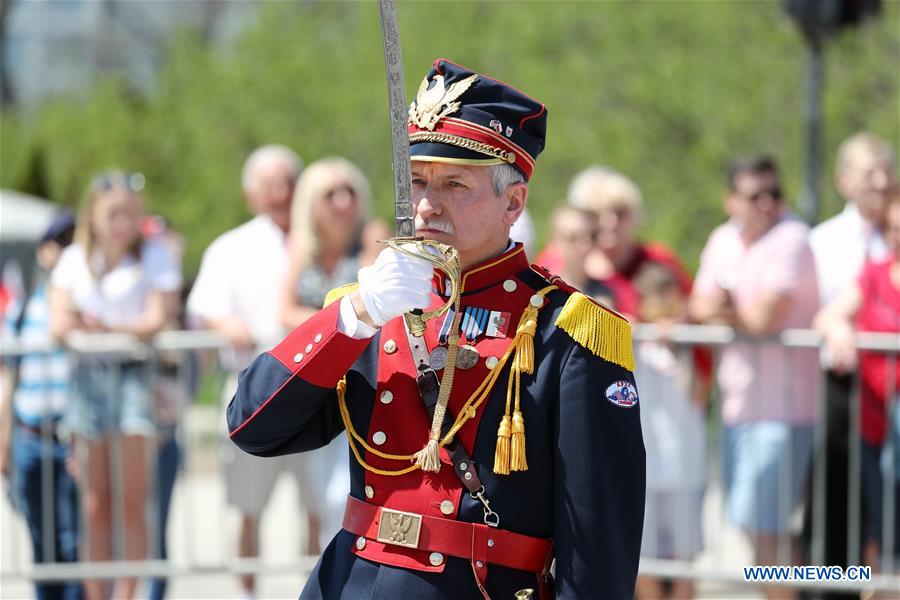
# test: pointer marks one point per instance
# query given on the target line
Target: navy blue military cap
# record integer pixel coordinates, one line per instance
(60, 228)
(460, 116)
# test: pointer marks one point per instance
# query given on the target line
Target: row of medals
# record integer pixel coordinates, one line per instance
(466, 357)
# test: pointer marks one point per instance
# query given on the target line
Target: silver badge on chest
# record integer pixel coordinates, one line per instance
(466, 357)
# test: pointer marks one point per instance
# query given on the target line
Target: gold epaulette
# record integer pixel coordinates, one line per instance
(602, 331)
(339, 292)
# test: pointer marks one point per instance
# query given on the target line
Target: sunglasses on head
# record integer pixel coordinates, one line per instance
(113, 180)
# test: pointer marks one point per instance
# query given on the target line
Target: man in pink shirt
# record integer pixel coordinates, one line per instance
(757, 275)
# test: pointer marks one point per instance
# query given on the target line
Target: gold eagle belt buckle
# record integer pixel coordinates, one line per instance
(399, 528)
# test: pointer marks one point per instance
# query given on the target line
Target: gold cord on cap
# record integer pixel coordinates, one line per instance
(465, 143)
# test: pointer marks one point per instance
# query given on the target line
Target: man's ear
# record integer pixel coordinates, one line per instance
(248, 202)
(515, 196)
(728, 203)
(840, 184)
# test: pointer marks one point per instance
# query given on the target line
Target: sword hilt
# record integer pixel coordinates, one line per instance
(448, 262)
(414, 322)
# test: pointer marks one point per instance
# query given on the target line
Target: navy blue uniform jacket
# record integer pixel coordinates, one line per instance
(584, 486)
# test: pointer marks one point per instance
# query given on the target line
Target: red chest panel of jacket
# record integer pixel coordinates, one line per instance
(400, 424)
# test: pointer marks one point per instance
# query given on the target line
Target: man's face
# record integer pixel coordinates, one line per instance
(865, 181)
(48, 254)
(617, 227)
(892, 228)
(756, 201)
(456, 205)
(575, 233)
(271, 191)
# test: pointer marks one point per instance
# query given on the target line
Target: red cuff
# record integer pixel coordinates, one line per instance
(317, 351)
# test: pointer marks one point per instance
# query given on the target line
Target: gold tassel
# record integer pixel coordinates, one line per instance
(524, 359)
(523, 363)
(501, 454)
(339, 292)
(510, 451)
(601, 330)
(429, 457)
(517, 460)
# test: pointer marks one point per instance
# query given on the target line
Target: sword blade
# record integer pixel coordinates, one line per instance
(393, 64)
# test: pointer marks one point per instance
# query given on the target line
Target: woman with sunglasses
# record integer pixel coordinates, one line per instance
(332, 202)
(111, 280)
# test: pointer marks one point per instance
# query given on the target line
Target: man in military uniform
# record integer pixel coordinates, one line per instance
(468, 505)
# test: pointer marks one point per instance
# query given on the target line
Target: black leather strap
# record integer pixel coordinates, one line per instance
(429, 387)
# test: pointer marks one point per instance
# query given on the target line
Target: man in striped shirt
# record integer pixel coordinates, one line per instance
(34, 399)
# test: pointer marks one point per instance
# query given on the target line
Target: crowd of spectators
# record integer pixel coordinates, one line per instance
(761, 272)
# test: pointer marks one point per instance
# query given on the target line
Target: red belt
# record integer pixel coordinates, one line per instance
(475, 542)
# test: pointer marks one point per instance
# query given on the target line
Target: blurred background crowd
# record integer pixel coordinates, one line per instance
(669, 191)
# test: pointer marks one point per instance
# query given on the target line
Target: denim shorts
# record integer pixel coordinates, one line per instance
(111, 397)
(673, 524)
(766, 465)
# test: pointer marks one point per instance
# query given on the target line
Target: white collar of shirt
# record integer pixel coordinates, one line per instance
(841, 246)
(265, 222)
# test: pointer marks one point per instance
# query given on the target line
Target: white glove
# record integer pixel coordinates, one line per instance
(394, 285)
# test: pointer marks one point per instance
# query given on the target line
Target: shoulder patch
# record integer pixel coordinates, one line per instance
(601, 330)
(622, 393)
(339, 292)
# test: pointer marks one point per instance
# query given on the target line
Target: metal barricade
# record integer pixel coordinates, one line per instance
(184, 446)
(198, 429)
(727, 548)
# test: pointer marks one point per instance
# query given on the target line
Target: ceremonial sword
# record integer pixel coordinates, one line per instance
(393, 64)
(441, 256)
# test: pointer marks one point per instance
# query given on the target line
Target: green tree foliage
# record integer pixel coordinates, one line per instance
(667, 92)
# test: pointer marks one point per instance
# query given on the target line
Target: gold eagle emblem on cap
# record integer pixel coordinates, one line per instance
(431, 105)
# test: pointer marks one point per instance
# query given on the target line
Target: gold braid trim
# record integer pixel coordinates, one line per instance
(461, 142)
(468, 411)
(352, 435)
(339, 292)
(429, 457)
(601, 331)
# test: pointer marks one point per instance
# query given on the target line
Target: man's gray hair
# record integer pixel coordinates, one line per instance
(598, 187)
(867, 144)
(503, 176)
(266, 154)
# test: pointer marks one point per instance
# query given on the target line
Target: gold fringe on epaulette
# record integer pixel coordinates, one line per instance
(602, 332)
(339, 292)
